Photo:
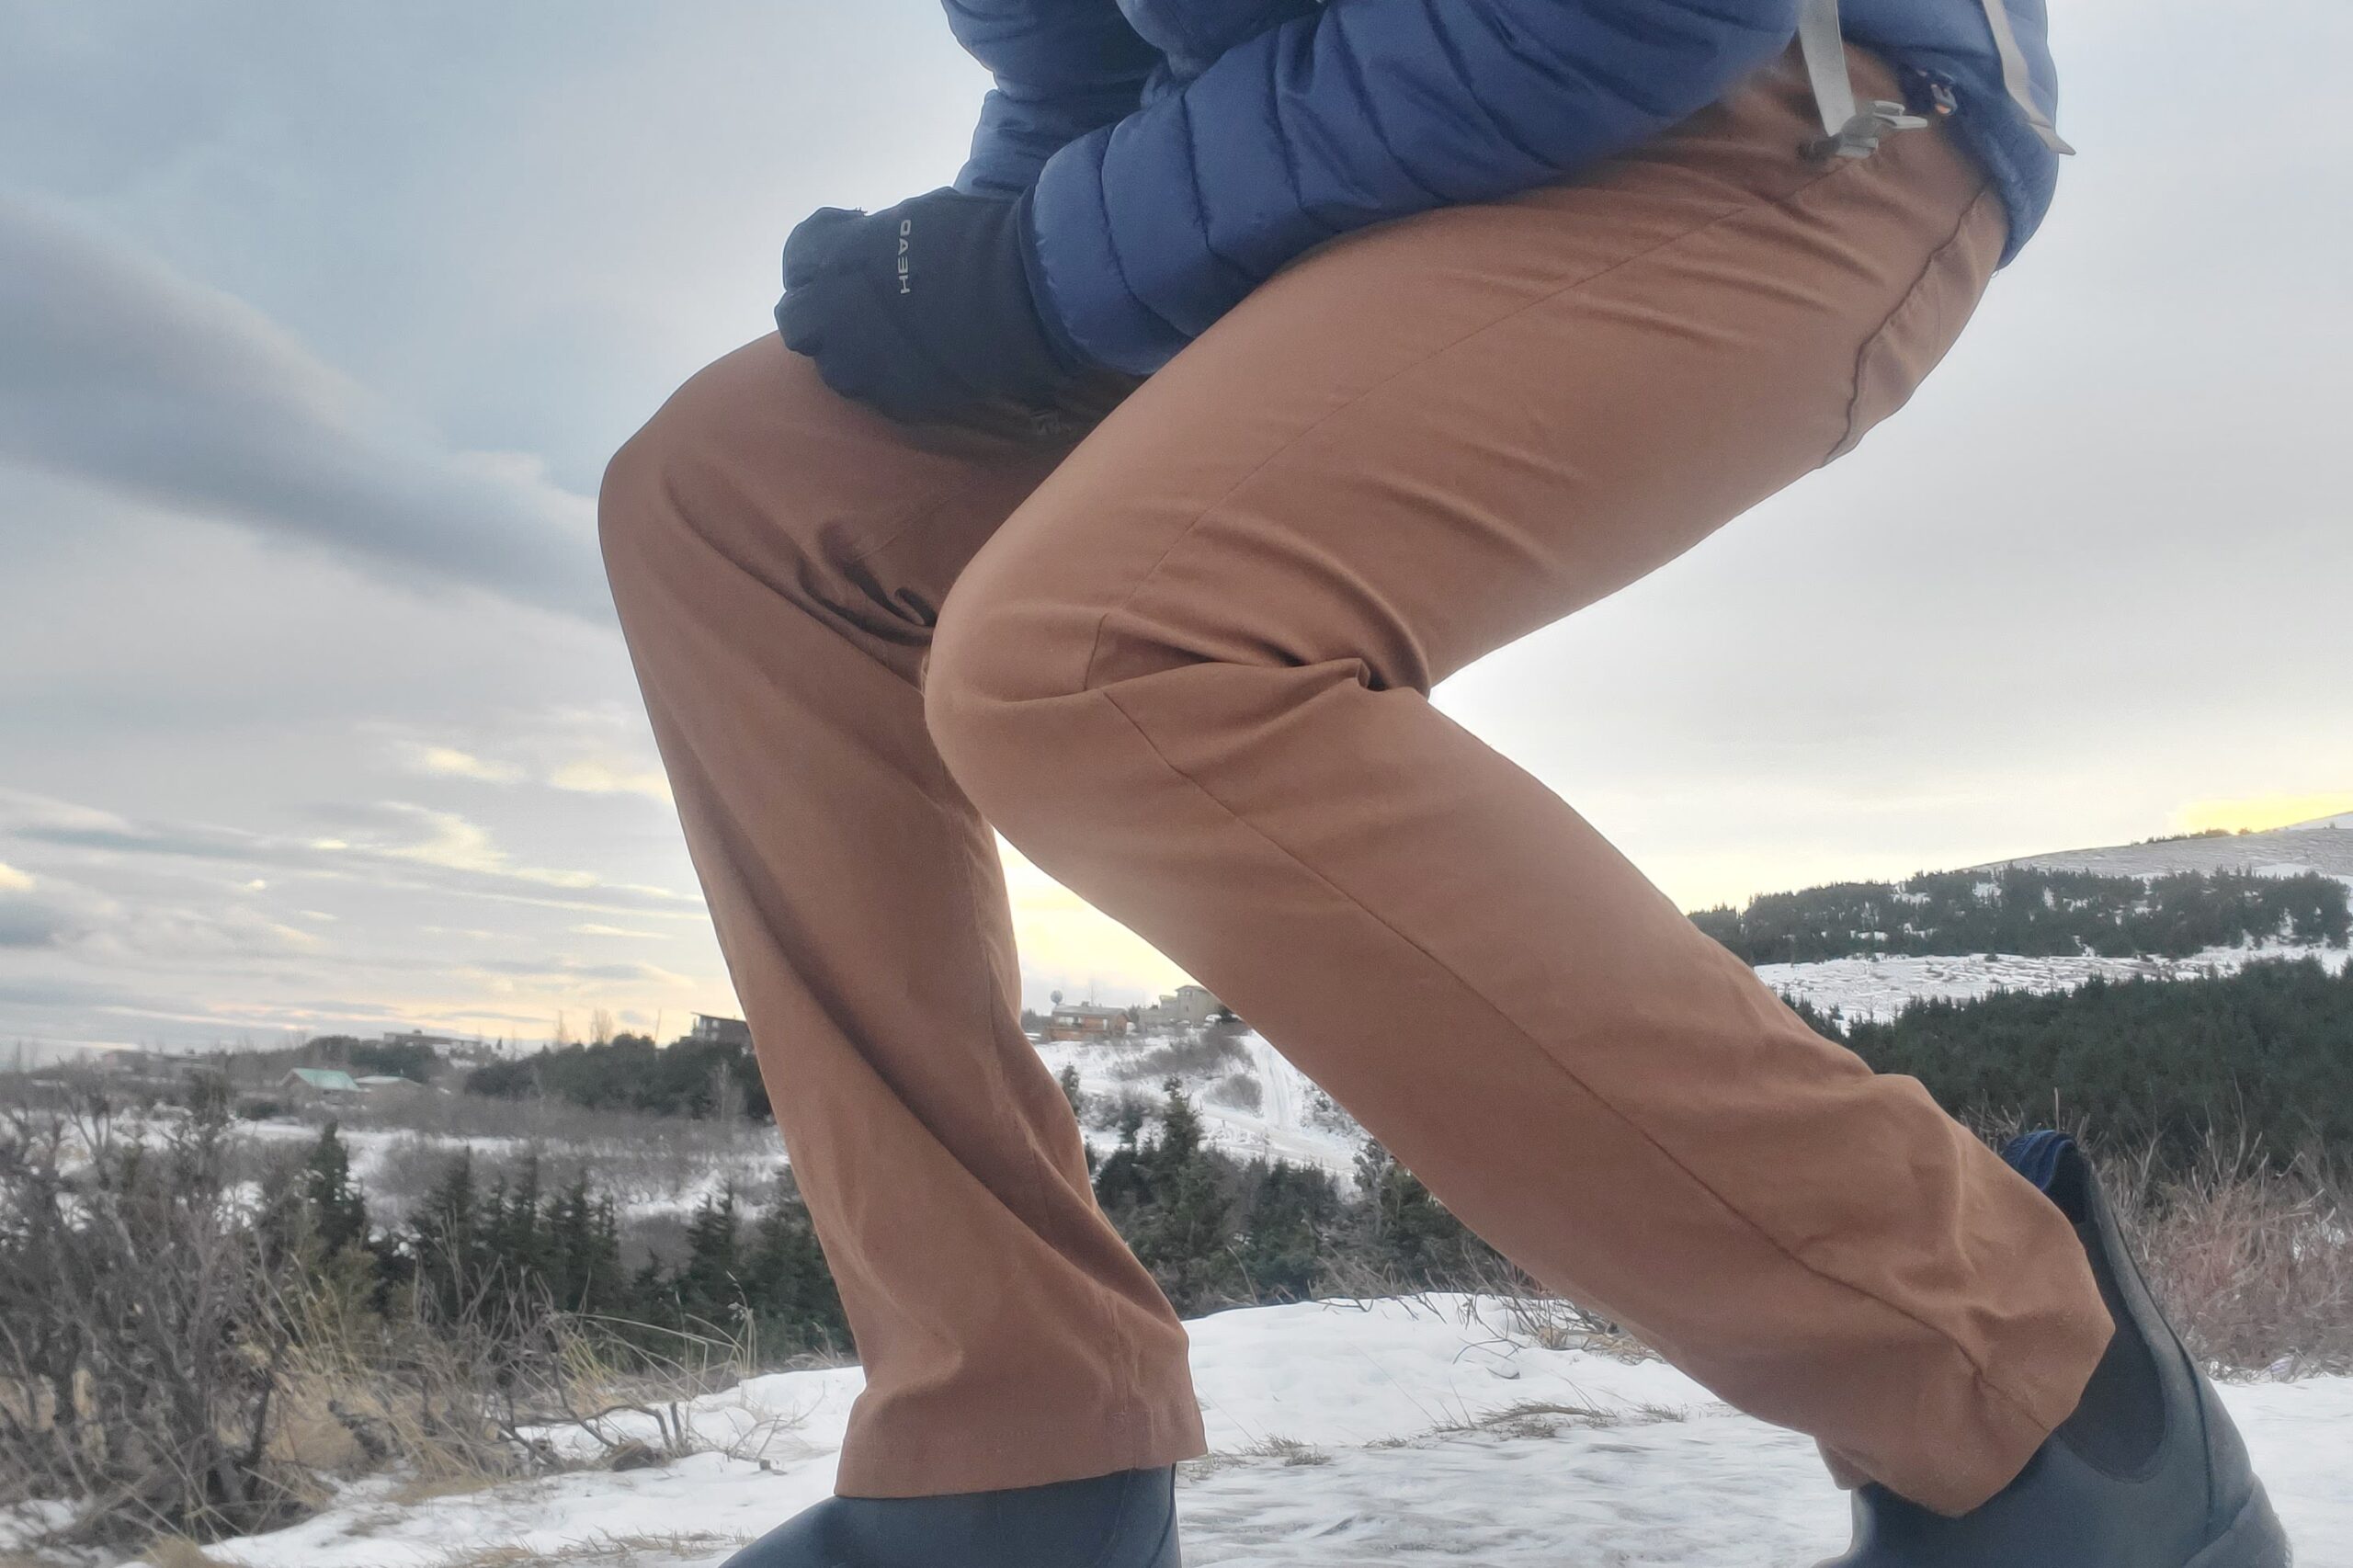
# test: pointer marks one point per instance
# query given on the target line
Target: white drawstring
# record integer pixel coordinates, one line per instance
(1852, 130)
(2015, 78)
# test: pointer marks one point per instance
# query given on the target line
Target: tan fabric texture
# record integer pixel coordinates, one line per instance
(1183, 663)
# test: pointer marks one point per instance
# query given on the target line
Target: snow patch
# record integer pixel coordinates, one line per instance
(1411, 1431)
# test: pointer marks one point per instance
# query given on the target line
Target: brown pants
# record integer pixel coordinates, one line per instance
(1184, 666)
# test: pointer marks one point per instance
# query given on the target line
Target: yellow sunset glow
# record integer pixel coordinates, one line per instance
(2254, 813)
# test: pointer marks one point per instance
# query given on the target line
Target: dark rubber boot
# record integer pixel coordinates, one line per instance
(1128, 1520)
(2149, 1472)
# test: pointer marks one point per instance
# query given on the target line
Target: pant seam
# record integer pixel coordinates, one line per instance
(1878, 334)
(1126, 1384)
(1783, 201)
(1979, 1373)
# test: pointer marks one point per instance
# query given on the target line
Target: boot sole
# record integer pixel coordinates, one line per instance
(2253, 1540)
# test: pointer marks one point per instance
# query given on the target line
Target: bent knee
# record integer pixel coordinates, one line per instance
(635, 502)
(633, 475)
(734, 431)
(1002, 673)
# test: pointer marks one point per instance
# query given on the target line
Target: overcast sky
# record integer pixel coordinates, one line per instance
(318, 323)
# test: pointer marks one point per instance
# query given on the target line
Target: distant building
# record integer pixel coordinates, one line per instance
(1084, 1020)
(391, 1082)
(419, 1037)
(712, 1029)
(1188, 1006)
(311, 1084)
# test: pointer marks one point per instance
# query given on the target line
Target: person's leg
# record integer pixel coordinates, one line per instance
(1189, 678)
(778, 557)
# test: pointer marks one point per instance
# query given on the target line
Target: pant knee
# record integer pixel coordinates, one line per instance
(704, 486)
(997, 685)
(630, 508)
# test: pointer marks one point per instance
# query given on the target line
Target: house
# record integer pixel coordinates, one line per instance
(1188, 1006)
(1084, 1020)
(391, 1082)
(419, 1037)
(711, 1029)
(314, 1083)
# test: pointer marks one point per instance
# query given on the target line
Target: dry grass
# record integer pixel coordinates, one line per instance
(178, 1552)
(1287, 1451)
(1536, 1420)
(454, 1409)
(601, 1551)
(2253, 1262)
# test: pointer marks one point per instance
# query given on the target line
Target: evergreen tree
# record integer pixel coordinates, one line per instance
(1289, 1220)
(451, 1266)
(1408, 1233)
(1173, 1200)
(2260, 1055)
(583, 1251)
(786, 1285)
(708, 1287)
(337, 1208)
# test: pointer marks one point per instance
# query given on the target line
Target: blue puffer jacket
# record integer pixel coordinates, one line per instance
(1180, 152)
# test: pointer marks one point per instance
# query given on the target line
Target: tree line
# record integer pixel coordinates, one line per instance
(2264, 1056)
(2019, 909)
(690, 1077)
(1215, 1230)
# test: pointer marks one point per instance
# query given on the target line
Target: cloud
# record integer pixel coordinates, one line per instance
(596, 778)
(392, 843)
(26, 921)
(119, 373)
(14, 881)
(49, 912)
(568, 968)
(448, 762)
(55, 914)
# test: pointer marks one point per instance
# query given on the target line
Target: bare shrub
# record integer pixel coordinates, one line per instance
(1195, 1056)
(183, 1357)
(141, 1353)
(1115, 1113)
(1240, 1090)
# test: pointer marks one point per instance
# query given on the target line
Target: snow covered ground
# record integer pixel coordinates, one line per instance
(1880, 988)
(1416, 1431)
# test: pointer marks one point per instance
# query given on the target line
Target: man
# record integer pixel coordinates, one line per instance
(1268, 362)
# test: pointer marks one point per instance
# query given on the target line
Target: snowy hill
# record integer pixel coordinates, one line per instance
(1292, 1119)
(1422, 1431)
(2324, 845)
(1880, 987)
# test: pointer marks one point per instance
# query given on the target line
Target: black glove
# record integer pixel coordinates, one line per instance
(923, 311)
